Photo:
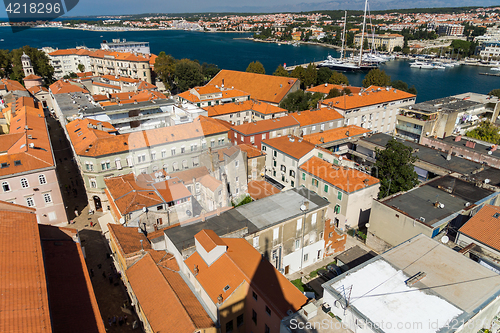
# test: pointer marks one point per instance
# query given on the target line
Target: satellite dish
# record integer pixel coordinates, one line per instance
(303, 207)
(445, 239)
(144, 209)
(367, 225)
(188, 212)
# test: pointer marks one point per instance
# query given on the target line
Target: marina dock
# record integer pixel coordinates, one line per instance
(490, 74)
(315, 63)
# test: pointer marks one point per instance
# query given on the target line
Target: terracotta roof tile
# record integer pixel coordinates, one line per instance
(128, 239)
(325, 88)
(32, 77)
(311, 117)
(266, 125)
(335, 134)
(250, 150)
(11, 85)
(268, 88)
(209, 239)
(370, 96)
(24, 305)
(259, 189)
(64, 87)
(250, 105)
(346, 179)
(241, 263)
(290, 145)
(484, 227)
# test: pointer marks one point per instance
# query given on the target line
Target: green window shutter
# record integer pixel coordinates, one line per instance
(336, 162)
(339, 196)
(320, 155)
(326, 188)
(303, 176)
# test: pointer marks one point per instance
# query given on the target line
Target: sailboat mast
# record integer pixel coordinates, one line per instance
(343, 37)
(362, 36)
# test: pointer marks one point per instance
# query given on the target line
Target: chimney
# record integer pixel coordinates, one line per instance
(219, 299)
(306, 203)
(365, 181)
(195, 270)
(448, 158)
(493, 148)
(458, 138)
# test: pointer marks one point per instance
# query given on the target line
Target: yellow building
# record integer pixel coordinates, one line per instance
(390, 41)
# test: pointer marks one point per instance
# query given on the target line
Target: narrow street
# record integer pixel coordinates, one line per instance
(109, 290)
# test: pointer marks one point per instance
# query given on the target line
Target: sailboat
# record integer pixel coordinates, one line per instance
(349, 64)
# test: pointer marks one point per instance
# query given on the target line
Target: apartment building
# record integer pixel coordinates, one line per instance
(489, 50)
(285, 154)
(162, 299)
(251, 295)
(318, 120)
(27, 164)
(443, 117)
(375, 108)
(101, 62)
(149, 202)
(450, 29)
(253, 133)
(349, 191)
(327, 87)
(211, 95)
(386, 42)
(101, 154)
(339, 140)
(123, 45)
(243, 112)
(266, 88)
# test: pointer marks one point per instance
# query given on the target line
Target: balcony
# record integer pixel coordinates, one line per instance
(409, 129)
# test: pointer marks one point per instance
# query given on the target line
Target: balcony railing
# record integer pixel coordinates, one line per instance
(409, 129)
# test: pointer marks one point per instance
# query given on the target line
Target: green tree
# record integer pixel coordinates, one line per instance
(365, 44)
(281, 71)
(406, 50)
(81, 68)
(333, 93)
(394, 168)
(5, 63)
(209, 70)
(256, 67)
(338, 78)
(165, 69)
(310, 76)
(324, 74)
(296, 101)
(188, 74)
(376, 77)
(347, 91)
(397, 49)
(299, 73)
(495, 92)
(39, 61)
(486, 131)
(313, 100)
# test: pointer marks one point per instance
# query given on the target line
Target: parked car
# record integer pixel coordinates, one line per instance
(334, 269)
(326, 275)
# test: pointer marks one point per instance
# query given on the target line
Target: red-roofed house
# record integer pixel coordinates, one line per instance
(483, 230)
(254, 132)
(285, 154)
(267, 88)
(210, 95)
(325, 88)
(242, 112)
(27, 168)
(241, 289)
(319, 120)
(166, 201)
(162, 299)
(44, 265)
(349, 191)
(374, 108)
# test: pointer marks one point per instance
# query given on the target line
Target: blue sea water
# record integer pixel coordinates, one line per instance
(229, 52)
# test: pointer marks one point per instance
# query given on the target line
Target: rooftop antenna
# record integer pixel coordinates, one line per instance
(346, 293)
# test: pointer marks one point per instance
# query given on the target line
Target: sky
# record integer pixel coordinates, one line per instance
(118, 7)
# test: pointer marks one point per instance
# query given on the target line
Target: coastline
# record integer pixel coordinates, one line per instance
(329, 46)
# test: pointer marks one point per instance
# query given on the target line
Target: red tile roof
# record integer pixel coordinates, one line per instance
(346, 179)
(27, 127)
(128, 240)
(258, 189)
(484, 227)
(311, 117)
(32, 77)
(268, 88)
(209, 239)
(24, 305)
(131, 194)
(325, 88)
(241, 263)
(370, 96)
(36, 89)
(290, 145)
(266, 125)
(11, 85)
(64, 87)
(250, 105)
(335, 134)
(94, 142)
(157, 289)
(250, 150)
(193, 95)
